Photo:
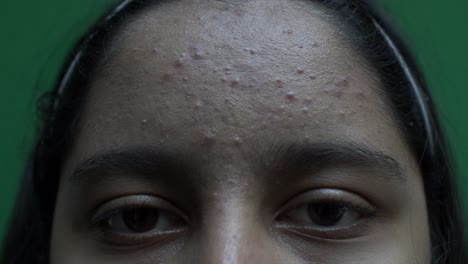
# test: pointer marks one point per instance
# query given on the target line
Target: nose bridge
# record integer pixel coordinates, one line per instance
(235, 235)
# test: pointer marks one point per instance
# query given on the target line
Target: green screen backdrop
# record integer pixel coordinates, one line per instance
(36, 36)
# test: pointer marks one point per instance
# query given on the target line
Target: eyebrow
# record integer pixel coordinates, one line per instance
(143, 160)
(302, 157)
(289, 159)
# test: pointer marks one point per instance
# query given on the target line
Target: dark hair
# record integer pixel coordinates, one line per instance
(28, 238)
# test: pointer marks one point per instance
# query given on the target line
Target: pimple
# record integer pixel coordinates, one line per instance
(234, 83)
(312, 77)
(197, 52)
(315, 45)
(300, 70)
(223, 80)
(179, 63)
(155, 51)
(291, 96)
(185, 79)
(199, 55)
(237, 140)
(305, 109)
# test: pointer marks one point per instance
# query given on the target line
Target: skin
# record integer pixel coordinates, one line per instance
(222, 121)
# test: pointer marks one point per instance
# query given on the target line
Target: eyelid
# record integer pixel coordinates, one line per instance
(109, 208)
(326, 194)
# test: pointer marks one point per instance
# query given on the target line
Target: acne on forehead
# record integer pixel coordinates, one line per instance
(215, 74)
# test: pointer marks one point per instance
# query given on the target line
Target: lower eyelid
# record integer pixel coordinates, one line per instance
(351, 232)
(126, 241)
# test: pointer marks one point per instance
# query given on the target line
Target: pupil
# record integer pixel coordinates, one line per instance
(140, 220)
(326, 214)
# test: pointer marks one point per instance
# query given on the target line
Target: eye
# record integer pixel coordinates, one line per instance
(328, 213)
(137, 219)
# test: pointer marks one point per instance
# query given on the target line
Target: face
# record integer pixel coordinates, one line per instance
(225, 132)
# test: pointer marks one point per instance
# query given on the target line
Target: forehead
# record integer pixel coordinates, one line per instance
(223, 74)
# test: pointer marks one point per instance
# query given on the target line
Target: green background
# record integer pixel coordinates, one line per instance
(37, 35)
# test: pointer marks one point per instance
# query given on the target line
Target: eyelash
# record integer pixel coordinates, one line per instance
(367, 213)
(100, 223)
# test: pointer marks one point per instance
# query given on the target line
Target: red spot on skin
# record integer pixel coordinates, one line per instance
(234, 83)
(308, 101)
(300, 70)
(179, 63)
(291, 96)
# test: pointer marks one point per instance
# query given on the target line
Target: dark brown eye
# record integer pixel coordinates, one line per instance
(138, 220)
(328, 214)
